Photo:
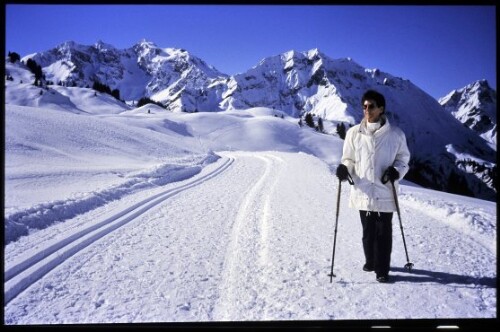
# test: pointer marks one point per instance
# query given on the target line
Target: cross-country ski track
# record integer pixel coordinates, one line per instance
(249, 238)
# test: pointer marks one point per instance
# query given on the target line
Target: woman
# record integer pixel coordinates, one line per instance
(372, 150)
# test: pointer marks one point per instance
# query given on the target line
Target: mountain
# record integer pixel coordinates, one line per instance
(475, 106)
(294, 83)
(301, 82)
(168, 75)
(311, 82)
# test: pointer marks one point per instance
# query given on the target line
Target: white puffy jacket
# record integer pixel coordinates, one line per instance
(367, 156)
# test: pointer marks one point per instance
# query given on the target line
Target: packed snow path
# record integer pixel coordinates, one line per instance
(250, 238)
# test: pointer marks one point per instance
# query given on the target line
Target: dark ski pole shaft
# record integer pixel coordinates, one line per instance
(408, 264)
(335, 232)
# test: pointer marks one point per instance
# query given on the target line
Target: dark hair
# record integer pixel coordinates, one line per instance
(374, 95)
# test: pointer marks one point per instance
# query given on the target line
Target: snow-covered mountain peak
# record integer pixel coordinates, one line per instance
(293, 57)
(103, 47)
(143, 70)
(144, 42)
(67, 45)
(300, 82)
(475, 106)
(313, 53)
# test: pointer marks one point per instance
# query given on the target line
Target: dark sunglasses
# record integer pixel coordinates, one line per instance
(369, 106)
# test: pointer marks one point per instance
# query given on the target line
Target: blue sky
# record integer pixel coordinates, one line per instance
(438, 48)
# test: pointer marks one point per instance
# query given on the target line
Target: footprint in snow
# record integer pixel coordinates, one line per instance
(186, 306)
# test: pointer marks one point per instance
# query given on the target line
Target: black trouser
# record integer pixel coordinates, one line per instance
(377, 240)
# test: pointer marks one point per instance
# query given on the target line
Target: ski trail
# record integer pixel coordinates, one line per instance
(266, 218)
(250, 225)
(23, 274)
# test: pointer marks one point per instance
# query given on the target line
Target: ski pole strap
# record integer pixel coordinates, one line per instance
(349, 178)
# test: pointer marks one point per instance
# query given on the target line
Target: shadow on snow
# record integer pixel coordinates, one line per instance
(416, 275)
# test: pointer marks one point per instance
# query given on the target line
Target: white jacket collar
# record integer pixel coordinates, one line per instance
(384, 126)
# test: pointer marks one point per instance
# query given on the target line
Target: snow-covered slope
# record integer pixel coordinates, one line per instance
(249, 238)
(85, 161)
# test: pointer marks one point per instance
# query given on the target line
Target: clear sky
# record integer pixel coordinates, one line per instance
(438, 48)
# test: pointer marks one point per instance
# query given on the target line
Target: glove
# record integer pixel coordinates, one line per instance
(391, 174)
(342, 172)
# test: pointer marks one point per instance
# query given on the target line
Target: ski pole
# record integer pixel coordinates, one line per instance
(335, 232)
(408, 265)
(349, 178)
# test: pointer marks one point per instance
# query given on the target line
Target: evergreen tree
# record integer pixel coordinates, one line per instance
(341, 131)
(320, 125)
(116, 93)
(309, 120)
(457, 184)
(145, 100)
(13, 57)
(98, 86)
(35, 69)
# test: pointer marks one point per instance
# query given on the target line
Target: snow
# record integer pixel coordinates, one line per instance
(125, 216)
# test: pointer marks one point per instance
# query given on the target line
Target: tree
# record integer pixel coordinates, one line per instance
(116, 93)
(309, 120)
(320, 125)
(35, 69)
(98, 86)
(13, 57)
(145, 100)
(457, 184)
(341, 131)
